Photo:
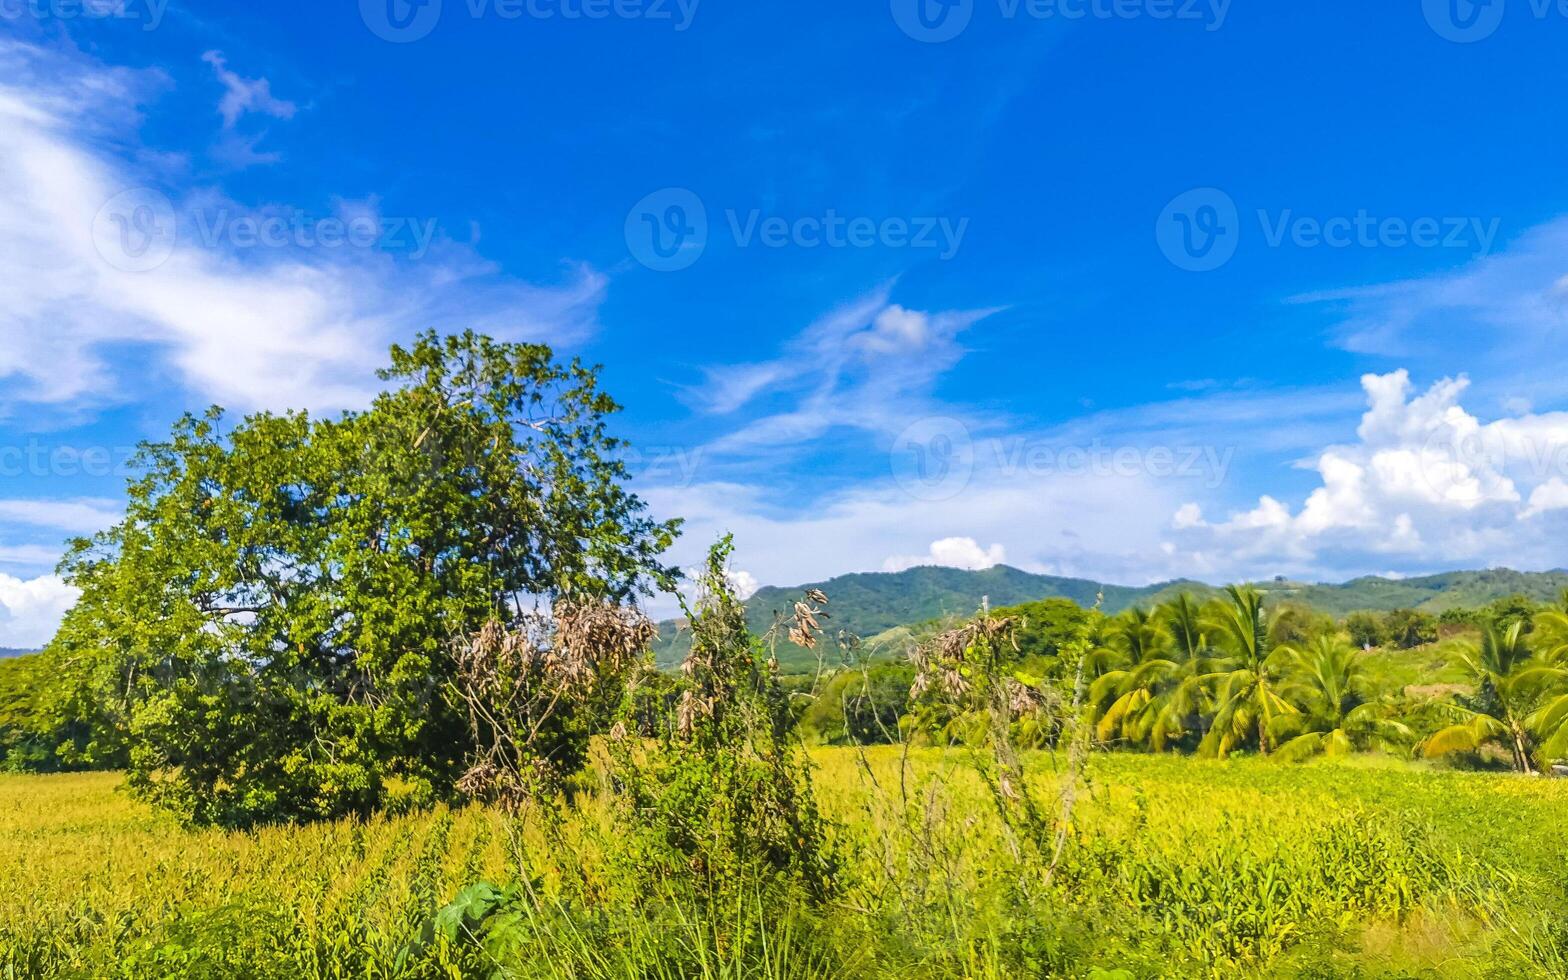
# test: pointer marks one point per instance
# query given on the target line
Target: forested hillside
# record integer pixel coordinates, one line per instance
(869, 604)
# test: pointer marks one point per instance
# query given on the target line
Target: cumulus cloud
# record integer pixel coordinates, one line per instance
(1428, 482)
(744, 583)
(964, 553)
(30, 610)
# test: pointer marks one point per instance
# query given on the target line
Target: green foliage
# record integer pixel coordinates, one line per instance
(35, 734)
(1327, 682)
(724, 796)
(273, 619)
(1046, 629)
(1517, 701)
(861, 706)
(1504, 612)
(1295, 625)
(1408, 629)
(1366, 629)
(1176, 867)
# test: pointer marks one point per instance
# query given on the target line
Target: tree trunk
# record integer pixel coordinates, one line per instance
(1265, 716)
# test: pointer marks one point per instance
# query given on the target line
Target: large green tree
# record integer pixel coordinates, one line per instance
(277, 613)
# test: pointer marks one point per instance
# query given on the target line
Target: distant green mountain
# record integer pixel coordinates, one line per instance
(872, 603)
(9, 652)
(1430, 593)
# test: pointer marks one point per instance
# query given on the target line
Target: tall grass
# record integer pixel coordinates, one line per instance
(1174, 867)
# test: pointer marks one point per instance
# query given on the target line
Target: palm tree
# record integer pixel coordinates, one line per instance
(1510, 681)
(1549, 721)
(1324, 681)
(1156, 692)
(1123, 692)
(1550, 639)
(1244, 696)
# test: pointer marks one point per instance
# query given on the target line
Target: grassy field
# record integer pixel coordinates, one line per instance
(1177, 867)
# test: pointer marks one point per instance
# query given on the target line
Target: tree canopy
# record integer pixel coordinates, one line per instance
(273, 621)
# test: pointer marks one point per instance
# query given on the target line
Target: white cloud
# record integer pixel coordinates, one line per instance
(964, 553)
(1503, 313)
(1096, 526)
(1428, 482)
(868, 365)
(85, 515)
(31, 610)
(744, 583)
(245, 95)
(273, 327)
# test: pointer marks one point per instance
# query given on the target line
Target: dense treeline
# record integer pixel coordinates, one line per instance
(1248, 674)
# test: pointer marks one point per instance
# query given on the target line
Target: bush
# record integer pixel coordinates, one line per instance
(1365, 629)
(1408, 629)
(723, 799)
(859, 707)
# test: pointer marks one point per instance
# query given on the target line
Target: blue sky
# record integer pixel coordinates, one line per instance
(1121, 290)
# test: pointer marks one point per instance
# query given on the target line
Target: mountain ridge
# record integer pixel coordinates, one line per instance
(869, 603)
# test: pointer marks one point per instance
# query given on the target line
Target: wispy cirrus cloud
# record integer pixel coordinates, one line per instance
(82, 515)
(245, 95)
(112, 291)
(868, 365)
(1493, 309)
(95, 258)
